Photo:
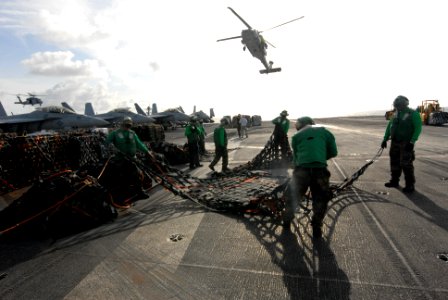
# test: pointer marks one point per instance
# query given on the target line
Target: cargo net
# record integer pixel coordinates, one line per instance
(270, 157)
(242, 191)
(248, 188)
(49, 161)
(25, 159)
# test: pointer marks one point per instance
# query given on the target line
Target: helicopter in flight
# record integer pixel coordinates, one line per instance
(256, 43)
(31, 100)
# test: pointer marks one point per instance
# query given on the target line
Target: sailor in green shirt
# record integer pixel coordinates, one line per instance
(193, 134)
(312, 146)
(403, 130)
(281, 134)
(127, 142)
(220, 139)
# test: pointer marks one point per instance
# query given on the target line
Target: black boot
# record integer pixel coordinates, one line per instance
(409, 178)
(409, 188)
(391, 184)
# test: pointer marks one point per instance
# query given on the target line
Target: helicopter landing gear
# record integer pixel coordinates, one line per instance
(244, 48)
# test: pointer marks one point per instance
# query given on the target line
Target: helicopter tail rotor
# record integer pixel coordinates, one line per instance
(270, 70)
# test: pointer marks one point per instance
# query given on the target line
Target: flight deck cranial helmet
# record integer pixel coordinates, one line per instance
(284, 114)
(193, 119)
(303, 121)
(127, 122)
(401, 102)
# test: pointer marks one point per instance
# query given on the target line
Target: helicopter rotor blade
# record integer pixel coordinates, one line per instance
(241, 19)
(283, 23)
(230, 38)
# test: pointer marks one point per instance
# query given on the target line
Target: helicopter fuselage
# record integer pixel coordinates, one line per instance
(256, 45)
(29, 101)
(253, 40)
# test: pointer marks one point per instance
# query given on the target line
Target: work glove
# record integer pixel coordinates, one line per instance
(409, 147)
(384, 144)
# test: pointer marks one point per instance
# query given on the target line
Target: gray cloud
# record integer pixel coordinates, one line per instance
(78, 92)
(60, 63)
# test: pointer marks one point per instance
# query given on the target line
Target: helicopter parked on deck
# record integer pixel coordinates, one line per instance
(256, 44)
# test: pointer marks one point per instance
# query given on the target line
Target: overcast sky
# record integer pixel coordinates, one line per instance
(342, 58)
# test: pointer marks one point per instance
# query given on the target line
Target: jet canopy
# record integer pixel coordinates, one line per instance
(56, 109)
(121, 110)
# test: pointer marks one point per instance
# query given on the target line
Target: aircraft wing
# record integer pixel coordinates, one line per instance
(23, 120)
(160, 117)
(110, 118)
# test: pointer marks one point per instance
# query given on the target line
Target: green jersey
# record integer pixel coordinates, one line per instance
(283, 123)
(312, 146)
(193, 133)
(220, 137)
(126, 141)
(406, 125)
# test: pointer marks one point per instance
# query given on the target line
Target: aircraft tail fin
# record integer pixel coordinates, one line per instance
(154, 108)
(66, 105)
(2, 111)
(88, 110)
(212, 113)
(194, 109)
(139, 110)
(181, 109)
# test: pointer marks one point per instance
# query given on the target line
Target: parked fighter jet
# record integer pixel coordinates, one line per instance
(117, 115)
(203, 116)
(172, 117)
(49, 118)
